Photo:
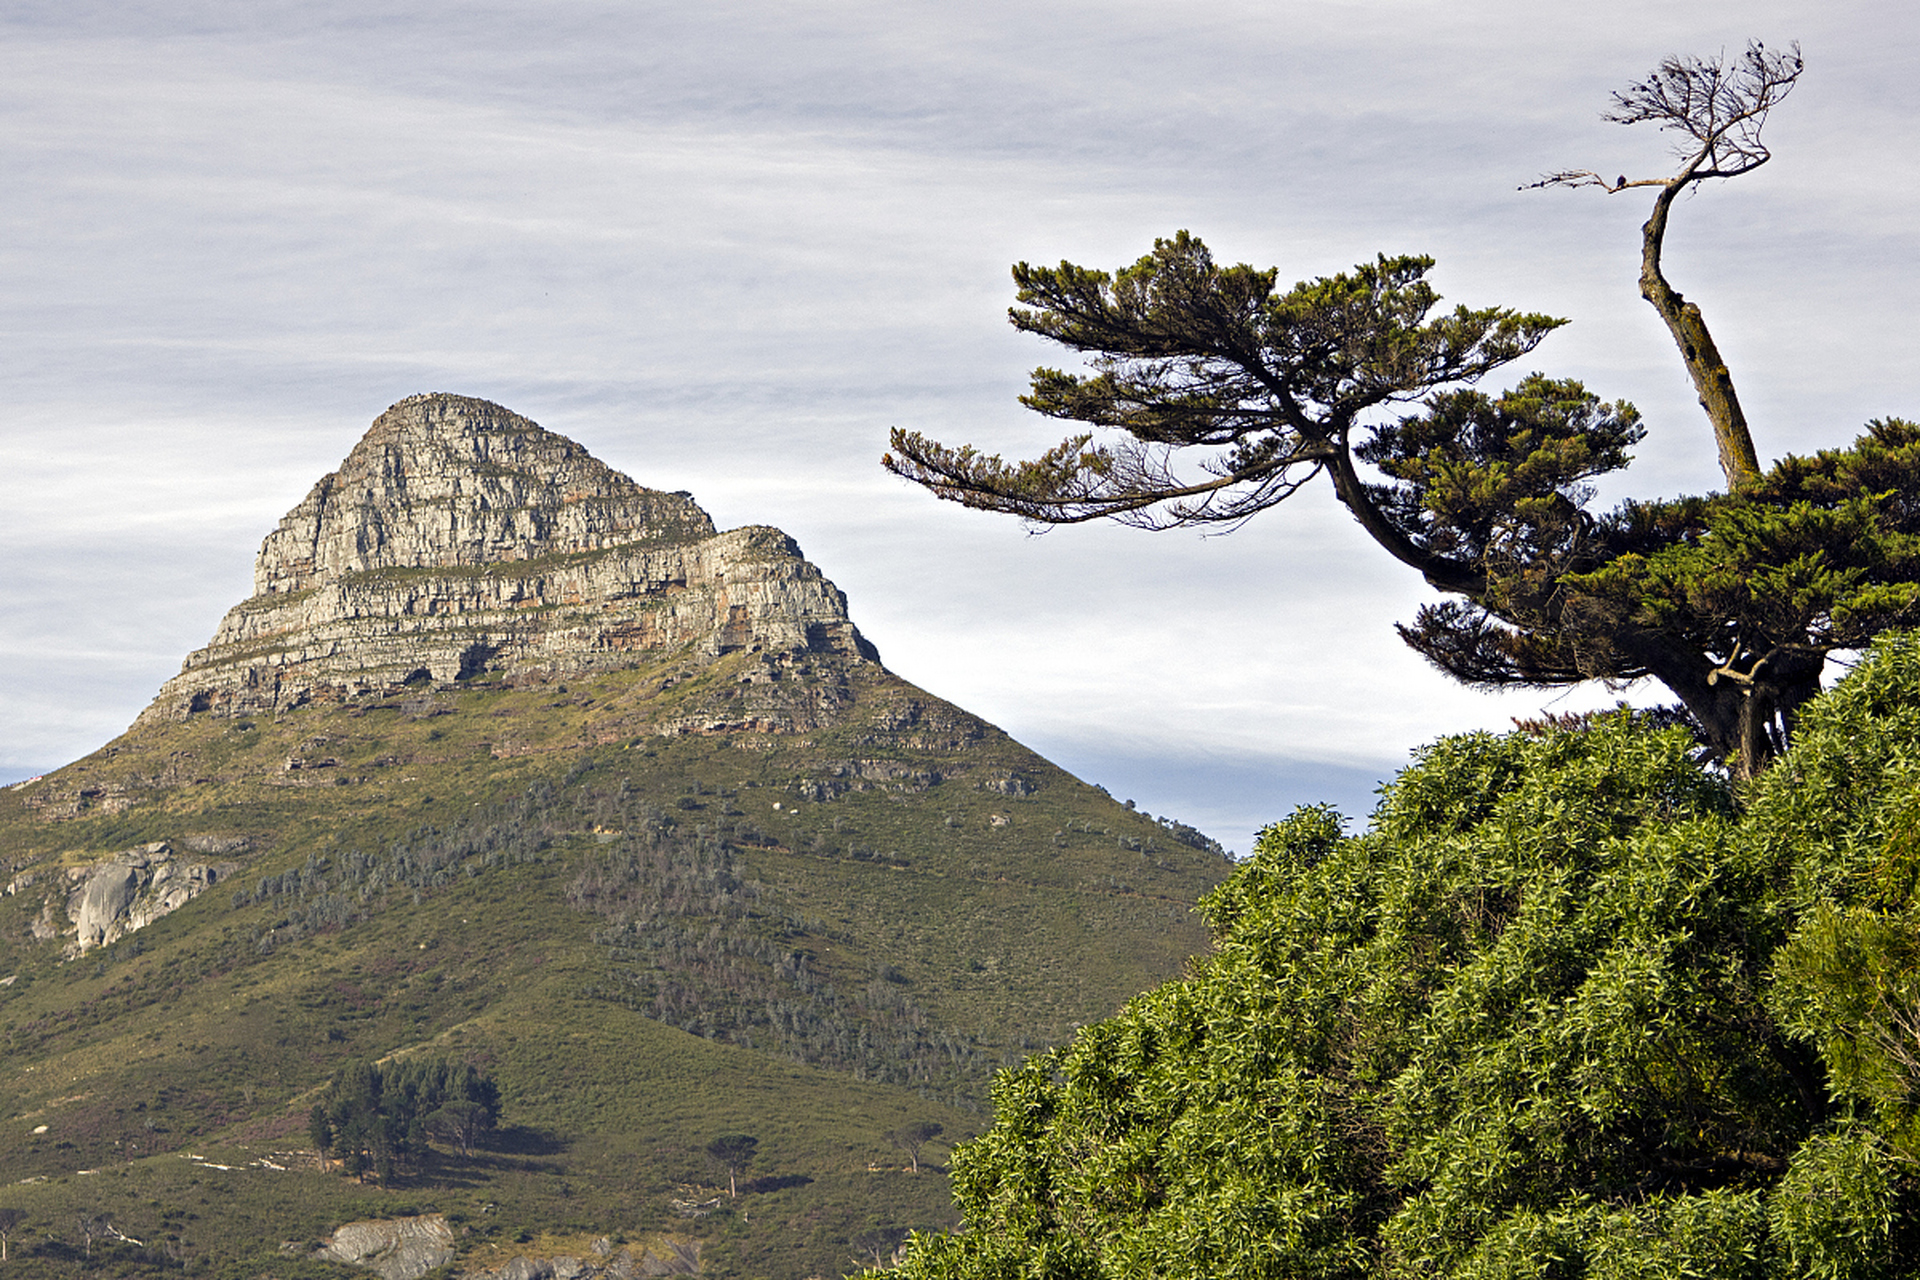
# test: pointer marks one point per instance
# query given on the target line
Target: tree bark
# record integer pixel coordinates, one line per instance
(1738, 460)
(1442, 574)
(1746, 718)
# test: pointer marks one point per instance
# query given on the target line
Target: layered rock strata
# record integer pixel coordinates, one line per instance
(458, 539)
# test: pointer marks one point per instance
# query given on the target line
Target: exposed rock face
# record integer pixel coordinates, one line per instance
(459, 538)
(130, 890)
(396, 1248)
(408, 1248)
(664, 1257)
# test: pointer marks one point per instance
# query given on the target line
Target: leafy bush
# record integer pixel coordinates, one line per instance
(1573, 1007)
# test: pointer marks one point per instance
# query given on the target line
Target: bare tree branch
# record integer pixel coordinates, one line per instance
(1719, 108)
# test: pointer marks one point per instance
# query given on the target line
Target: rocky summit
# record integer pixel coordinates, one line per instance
(459, 538)
(512, 765)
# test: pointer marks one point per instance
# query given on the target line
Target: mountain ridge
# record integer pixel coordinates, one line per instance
(742, 851)
(459, 537)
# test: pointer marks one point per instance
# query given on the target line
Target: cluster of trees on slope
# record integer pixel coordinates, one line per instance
(348, 887)
(376, 1118)
(684, 941)
(686, 946)
(1575, 1006)
(1732, 601)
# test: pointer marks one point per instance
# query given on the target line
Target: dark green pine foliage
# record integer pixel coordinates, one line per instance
(1567, 1010)
(1221, 396)
(733, 1152)
(1733, 601)
(363, 1133)
(374, 1117)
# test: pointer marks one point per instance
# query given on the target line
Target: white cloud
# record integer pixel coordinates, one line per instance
(726, 246)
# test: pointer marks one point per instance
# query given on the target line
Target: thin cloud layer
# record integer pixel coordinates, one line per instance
(726, 246)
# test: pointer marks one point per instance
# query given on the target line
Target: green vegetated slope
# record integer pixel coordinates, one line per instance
(648, 939)
(1574, 1006)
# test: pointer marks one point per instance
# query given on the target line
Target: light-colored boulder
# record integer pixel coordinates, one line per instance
(101, 901)
(526, 1269)
(395, 1248)
(128, 892)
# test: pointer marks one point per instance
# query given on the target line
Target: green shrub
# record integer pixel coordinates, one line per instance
(1573, 1007)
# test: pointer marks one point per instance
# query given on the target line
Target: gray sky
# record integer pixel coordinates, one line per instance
(726, 246)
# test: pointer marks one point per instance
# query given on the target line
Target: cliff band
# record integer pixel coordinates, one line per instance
(514, 765)
(459, 538)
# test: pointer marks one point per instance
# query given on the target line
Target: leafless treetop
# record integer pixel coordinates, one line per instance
(1719, 105)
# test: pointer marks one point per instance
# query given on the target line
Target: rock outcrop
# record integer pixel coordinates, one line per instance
(395, 1248)
(108, 900)
(459, 539)
(409, 1248)
(664, 1257)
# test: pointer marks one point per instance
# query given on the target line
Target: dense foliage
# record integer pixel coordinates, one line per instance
(1574, 1007)
(375, 1116)
(1223, 395)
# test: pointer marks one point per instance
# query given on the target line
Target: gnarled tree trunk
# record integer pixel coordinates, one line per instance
(1711, 380)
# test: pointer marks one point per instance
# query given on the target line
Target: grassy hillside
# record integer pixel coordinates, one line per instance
(650, 919)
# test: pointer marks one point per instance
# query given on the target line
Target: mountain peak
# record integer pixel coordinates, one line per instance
(458, 538)
(441, 480)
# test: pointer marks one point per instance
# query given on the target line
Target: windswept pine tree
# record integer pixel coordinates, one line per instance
(1217, 395)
